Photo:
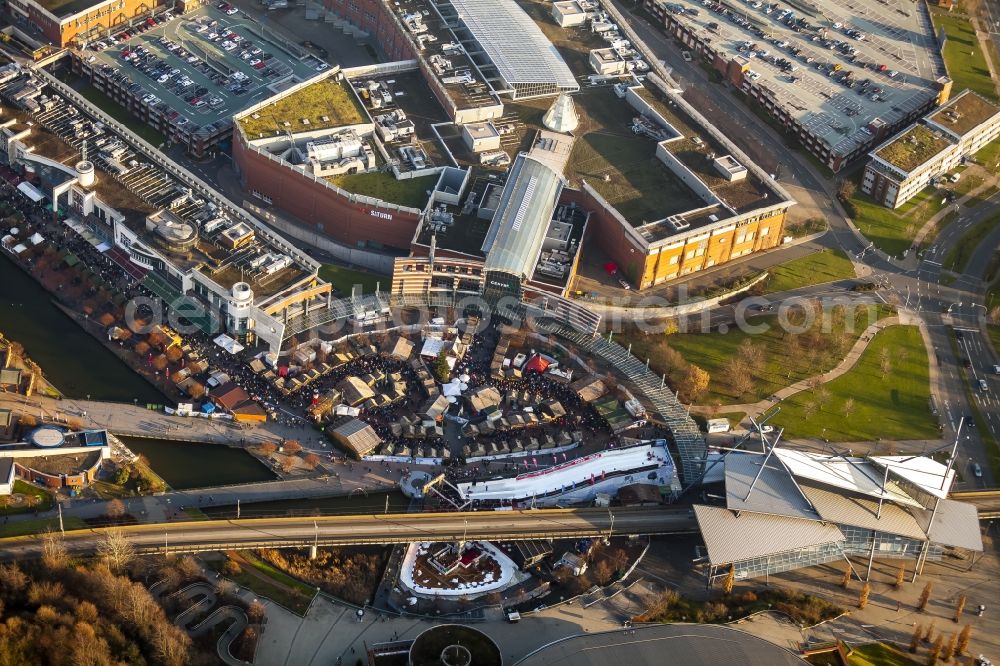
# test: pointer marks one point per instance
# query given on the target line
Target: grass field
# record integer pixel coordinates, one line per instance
(23, 527)
(962, 56)
(42, 500)
(411, 192)
(892, 231)
(784, 361)
(893, 406)
(327, 103)
(345, 278)
(958, 256)
(817, 268)
(989, 154)
(879, 654)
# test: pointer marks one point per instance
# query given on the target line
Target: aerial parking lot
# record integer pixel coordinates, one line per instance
(841, 71)
(206, 65)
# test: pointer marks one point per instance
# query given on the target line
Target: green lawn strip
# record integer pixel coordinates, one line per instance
(122, 115)
(879, 654)
(40, 525)
(892, 231)
(713, 351)
(983, 196)
(194, 513)
(823, 266)
(962, 56)
(276, 586)
(960, 253)
(42, 497)
(345, 278)
(994, 331)
(989, 155)
(893, 407)
(410, 192)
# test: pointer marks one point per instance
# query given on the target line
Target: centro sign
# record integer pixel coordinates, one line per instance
(380, 214)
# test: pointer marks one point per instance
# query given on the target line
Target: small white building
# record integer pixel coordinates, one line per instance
(568, 13)
(480, 137)
(6, 476)
(607, 62)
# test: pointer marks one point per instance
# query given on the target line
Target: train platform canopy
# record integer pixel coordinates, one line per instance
(30, 191)
(228, 344)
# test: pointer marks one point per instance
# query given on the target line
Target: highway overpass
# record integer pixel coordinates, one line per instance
(205, 535)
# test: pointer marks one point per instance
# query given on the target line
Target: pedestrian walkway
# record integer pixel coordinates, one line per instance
(754, 409)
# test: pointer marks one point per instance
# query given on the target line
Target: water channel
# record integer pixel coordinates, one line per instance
(79, 365)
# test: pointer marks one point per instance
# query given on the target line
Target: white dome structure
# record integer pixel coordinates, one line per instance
(85, 173)
(561, 116)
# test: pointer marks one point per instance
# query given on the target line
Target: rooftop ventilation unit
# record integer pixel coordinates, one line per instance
(678, 224)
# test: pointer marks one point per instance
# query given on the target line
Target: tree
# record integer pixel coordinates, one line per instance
(604, 572)
(312, 460)
(935, 653)
(232, 568)
(845, 580)
(963, 639)
(949, 647)
(727, 584)
(122, 475)
(116, 549)
(440, 367)
(751, 353)
(225, 588)
(900, 576)
(885, 361)
(846, 190)
(114, 509)
(255, 612)
(918, 632)
(291, 447)
(848, 407)
(54, 554)
(959, 607)
(267, 449)
(694, 382)
(738, 377)
(925, 596)
(809, 408)
(863, 597)
(929, 632)
(287, 464)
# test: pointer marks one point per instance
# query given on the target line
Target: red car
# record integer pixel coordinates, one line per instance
(259, 65)
(195, 100)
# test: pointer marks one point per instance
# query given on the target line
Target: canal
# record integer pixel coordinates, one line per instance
(185, 465)
(72, 360)
(324, 506)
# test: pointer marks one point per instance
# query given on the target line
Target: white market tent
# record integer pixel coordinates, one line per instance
(30, 191)
(228, 344)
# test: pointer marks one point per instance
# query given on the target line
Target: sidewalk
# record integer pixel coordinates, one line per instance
(755, 408)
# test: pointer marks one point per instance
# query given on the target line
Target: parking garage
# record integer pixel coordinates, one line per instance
(187, 76)
(841, 74)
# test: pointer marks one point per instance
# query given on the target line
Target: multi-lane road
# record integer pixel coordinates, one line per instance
(210, 535)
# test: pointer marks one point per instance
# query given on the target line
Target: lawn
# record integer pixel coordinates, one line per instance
(892, 231)
(893, 405)
(326, 103)
(879, 654)
(121, 114)
(817, 268)
(41, 499)
(37, 526)
(963, 58)
(786, 359)
(958, 256)
(989, 155)
(268, 582)
(345, 278)
(410, 192)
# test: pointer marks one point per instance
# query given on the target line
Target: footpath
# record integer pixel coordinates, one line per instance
(754, 409)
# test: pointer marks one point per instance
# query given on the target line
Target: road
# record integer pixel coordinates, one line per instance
(372, 529)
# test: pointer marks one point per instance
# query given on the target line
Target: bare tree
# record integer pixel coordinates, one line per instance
(848, 407)
(925, 596)
(963, 639)
(116, 549)
(255, 612)
(114, 509)
(311, 460)
(863, 596)
(738, 377)
(885, 362)
(959, 607)
(54, 554)
(730, 580)
(268, 448)
(292, 447)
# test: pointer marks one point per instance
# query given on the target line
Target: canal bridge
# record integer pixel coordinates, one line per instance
(389, 528)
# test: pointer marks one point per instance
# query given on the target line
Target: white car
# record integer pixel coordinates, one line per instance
(201, 28)
(212, 35)
(254, 61)
(686, 55)
(231, 11)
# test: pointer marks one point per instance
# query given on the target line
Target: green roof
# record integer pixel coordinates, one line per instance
(324, 104)
(912, 148)
(411, 192)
